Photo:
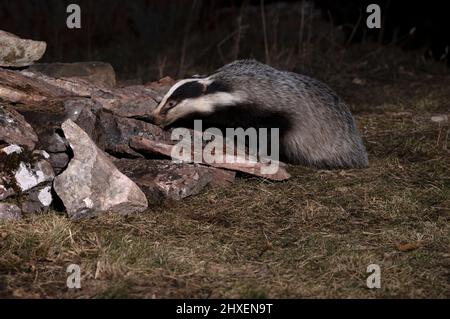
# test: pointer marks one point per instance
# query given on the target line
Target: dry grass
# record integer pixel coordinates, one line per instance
(311, 236)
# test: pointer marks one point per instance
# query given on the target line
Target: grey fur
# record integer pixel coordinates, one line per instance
(322, 132)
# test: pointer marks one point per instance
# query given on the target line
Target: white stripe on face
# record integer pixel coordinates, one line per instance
(174, 87)
(205, 104)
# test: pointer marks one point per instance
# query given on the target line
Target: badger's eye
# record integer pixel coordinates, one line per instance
(171, 104)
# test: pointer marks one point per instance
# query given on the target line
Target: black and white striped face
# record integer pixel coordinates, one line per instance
(193, 96)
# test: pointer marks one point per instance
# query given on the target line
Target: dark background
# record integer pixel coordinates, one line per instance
(147, 39)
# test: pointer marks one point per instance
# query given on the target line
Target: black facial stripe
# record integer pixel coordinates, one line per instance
(188, 90)
(193, 89)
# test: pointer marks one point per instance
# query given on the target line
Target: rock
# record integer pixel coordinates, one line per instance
(132, 101)
(5, 191)
(59, 161)
(91, 184)
(11, 149)
(161, 87)
(9, 212)
(29, 175)
(61, 87)
(37, 200)
(128, 82)
(46, 121)
(14, 129)
(17, 52)
(23, 170)
(8, 163)
(51, 140)
(163, 179)
(36, 89)
(272, 170)
(113, 133)
(42, 153)
(100, 74)
(83, 112)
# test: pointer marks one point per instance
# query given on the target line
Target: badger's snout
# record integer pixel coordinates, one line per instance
(156, 118)
(159, 118)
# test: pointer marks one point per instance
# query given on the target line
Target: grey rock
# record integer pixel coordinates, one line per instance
(133, 101)
(128, 82)
(17, 52)
(83, 112)
(29, 175)
(11, 149)
(91, 184)
(47, 121)
(100, 74)
(9, 157)
(5, 190)
(59, 161)
(9, 212)
(163, 180)
(114, 133)
(22, 170)
(14, 129)
(38, 200)
(51, 140)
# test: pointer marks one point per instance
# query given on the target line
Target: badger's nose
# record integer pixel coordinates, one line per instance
(157, 119)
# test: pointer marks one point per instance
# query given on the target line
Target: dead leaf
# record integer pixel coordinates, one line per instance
(408, 246)
(440, 118)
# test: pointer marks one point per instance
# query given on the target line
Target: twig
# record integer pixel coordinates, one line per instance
(266, 45)
(355, 28)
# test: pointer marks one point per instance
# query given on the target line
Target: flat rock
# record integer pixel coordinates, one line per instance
(133, 101)
(14, 129)
(163, 180)
(100, 74)
(9, 212)
(113, 133)
(272, 170)
(17, 52)
(91, 184)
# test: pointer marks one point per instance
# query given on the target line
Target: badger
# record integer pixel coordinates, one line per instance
(316, 127)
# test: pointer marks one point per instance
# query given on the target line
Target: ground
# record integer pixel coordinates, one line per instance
(312, 236)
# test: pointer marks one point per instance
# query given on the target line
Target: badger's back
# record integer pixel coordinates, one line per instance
(317, 128)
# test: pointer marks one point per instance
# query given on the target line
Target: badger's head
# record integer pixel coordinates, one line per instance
(194, 96)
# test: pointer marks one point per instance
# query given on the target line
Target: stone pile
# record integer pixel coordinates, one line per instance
(72, 140)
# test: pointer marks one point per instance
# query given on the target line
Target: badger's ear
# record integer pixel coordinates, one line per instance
(199, 76)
